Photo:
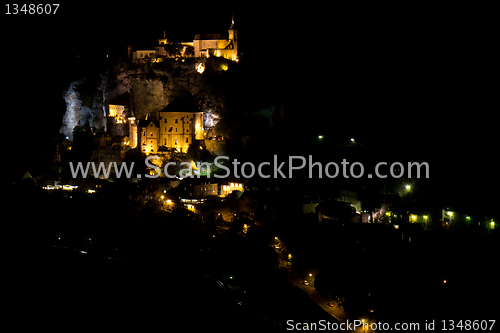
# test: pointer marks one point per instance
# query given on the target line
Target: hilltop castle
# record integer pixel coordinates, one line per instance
(172, 127)
(203, 45)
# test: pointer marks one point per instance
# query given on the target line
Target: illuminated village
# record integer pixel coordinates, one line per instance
(279, 253)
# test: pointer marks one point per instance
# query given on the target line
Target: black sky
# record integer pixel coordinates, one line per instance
(406, 78)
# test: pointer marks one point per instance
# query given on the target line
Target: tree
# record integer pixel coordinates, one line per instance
(174, 49)
(198, 153)
(189, 51)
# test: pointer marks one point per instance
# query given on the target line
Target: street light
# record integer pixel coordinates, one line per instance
(450, 214)
(408, 187)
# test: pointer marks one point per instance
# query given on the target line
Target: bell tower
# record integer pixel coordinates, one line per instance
(233, 37)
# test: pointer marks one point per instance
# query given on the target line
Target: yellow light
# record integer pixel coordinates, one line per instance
(444, 281)
(200, 68)
(310, 274)
(450, 213)
(169, 201)
(162, 197)
(224, 67)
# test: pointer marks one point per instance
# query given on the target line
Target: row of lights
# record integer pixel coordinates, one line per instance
(321, 137)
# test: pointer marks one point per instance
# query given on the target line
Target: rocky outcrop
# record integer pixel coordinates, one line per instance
(82, 109)
(151, 87)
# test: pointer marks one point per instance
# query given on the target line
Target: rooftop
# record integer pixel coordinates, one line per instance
(182, 104)
(209, 36)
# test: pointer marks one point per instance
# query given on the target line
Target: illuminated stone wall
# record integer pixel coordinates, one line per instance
(132, 132)
(149, 138)
(179, 129)
(118, 112)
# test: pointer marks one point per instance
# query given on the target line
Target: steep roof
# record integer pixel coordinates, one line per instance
(182, 104)
(209, 36)
(123, 99)
(146, 123)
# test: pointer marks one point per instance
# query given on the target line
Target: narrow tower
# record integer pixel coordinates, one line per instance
(233, 37)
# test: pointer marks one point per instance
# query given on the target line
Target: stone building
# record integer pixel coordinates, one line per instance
(205, 45)
(180, 124)
(148, 136)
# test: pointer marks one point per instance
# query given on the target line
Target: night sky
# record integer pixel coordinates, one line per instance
(411, 81)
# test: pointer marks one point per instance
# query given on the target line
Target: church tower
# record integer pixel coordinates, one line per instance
(233, 37)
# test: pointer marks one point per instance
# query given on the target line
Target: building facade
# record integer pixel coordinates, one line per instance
(180, 124)
(205, 45)
(148, 138)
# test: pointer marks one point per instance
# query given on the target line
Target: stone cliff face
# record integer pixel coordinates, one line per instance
(83, 108)
(151, 87)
